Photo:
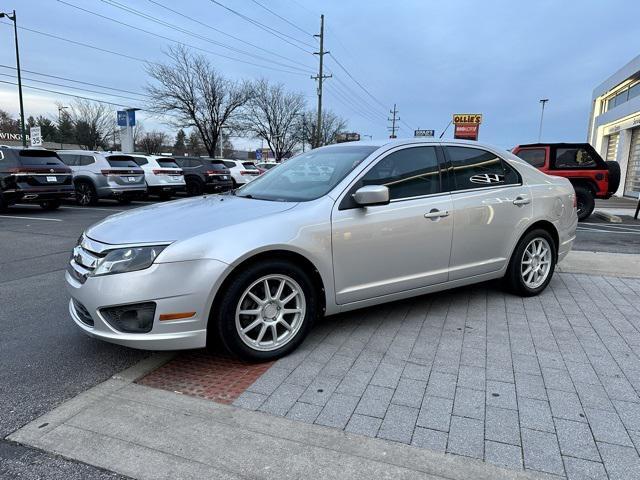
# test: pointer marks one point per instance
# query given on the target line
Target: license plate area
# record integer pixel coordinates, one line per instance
(52, 179)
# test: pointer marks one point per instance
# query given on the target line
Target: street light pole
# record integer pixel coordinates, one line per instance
(15, 33)
(543, 101)
(60, 109)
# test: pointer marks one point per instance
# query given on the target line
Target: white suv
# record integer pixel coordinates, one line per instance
(241, 171)
(163, 175)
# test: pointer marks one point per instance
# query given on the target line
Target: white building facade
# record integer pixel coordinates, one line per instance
(614, 125)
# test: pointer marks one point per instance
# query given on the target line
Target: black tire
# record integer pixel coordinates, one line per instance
(585, 202)
(50, 205)
(124, 200)
(194, 187)
(513, 278)
(85, 194)
(3, 204)
(614, 176)
(164, 196)
(223, 319)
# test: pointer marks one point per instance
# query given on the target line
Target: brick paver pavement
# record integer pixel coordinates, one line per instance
(548, 384)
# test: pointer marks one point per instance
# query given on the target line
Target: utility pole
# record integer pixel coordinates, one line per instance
(320, 77)
(15, 33)
(60, 109)
(393, 121)
(543, 101)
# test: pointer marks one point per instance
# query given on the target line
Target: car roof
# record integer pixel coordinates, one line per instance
(411, 141)
(558, 144)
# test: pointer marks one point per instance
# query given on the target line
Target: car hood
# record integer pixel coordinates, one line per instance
(180, 219)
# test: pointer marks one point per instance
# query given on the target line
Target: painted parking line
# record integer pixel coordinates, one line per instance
(599, 230)
(632, 226)
(95, 208)
(32, 218)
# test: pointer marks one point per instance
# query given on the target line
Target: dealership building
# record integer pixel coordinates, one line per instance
(614, 126)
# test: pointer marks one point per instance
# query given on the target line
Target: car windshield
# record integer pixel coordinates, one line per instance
(307, 176)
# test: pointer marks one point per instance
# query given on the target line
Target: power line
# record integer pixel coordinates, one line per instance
(355, 81)
(280, 35)
(75, 81)
(68, 94)
(172, 26)
(176, 41)
(75, 42)
(373, 109)
(282, 18)
(75, 88)
(348, 102)
(238, 39)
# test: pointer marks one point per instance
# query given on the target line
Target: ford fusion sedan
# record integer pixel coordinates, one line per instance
(334, 229)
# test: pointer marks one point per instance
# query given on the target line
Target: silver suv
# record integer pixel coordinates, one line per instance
(104, 175)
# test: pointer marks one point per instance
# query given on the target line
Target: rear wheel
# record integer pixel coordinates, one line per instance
(124, 200)
(266, 310)
(85, 194)
(3, 204)
(614, 176)
(532, 264)
(50, 205)
(194, 187)
(165, 196)
(585, 202)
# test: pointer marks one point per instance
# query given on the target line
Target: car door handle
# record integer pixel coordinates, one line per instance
(435, 213)
(522, 201)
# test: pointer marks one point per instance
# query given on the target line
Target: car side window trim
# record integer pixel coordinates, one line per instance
(345, 203)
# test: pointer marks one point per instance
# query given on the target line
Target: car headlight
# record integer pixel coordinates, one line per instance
(127, 260)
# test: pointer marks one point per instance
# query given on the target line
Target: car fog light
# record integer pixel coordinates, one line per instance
(136, 318)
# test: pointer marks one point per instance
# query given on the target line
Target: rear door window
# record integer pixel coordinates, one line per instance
(140, 161)
(40, 158)
(574, 157)
(84, 160)
(533, 156)
(476, 168)
(69, 159)
(218, 165)
(121, 162)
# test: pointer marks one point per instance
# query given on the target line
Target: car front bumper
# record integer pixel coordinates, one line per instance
(174, 287)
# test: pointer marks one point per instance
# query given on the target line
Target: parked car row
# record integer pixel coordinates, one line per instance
(46, 177)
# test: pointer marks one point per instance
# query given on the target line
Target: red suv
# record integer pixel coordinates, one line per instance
(590, 175)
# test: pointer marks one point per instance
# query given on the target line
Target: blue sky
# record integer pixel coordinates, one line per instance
(431, 58)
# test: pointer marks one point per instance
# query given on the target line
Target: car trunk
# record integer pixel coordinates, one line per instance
(41, 169)
(123, 170)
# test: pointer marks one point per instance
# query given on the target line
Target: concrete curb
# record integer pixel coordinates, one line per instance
(609, 217)
(601, 263)
(146, 433)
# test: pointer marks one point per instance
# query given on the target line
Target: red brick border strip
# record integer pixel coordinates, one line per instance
(202, 374)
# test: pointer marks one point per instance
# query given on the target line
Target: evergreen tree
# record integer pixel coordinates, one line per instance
(179, 147)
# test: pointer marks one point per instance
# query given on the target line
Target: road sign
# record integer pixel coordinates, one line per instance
(423, 133)
(467, 125)
(35, 134)
(258, 154)
(122, 118)
(347, 137)
(131, 117)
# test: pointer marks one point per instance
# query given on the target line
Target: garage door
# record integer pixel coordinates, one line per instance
(632, 182)
(612, 147)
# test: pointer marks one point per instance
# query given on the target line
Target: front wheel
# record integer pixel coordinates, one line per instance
(266, 310)
(532, 264)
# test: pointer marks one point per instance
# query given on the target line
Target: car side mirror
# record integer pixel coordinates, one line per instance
(371, 195)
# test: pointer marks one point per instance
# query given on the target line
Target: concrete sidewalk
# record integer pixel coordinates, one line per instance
(151, 434)
(601, 263)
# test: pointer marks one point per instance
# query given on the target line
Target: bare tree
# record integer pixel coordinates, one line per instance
(152, 142)
(332, 124)
(273, 115)
(92, 123)
(191, 89)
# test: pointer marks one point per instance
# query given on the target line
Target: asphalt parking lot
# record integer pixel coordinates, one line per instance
(549, 384)
(599, 235)
(45, 359)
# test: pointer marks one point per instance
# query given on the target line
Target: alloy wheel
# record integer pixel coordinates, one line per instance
(83, 194)
(536, 263)
(270, 312)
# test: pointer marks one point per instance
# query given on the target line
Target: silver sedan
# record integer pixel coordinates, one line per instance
(334, 229)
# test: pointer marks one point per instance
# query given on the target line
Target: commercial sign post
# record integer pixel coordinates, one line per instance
(424, 133)
(467, 125)
(35, 136)
(126, 122)
(347, 137)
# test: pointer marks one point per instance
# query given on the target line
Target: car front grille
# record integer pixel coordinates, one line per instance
(83, 313)
(84, 259)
